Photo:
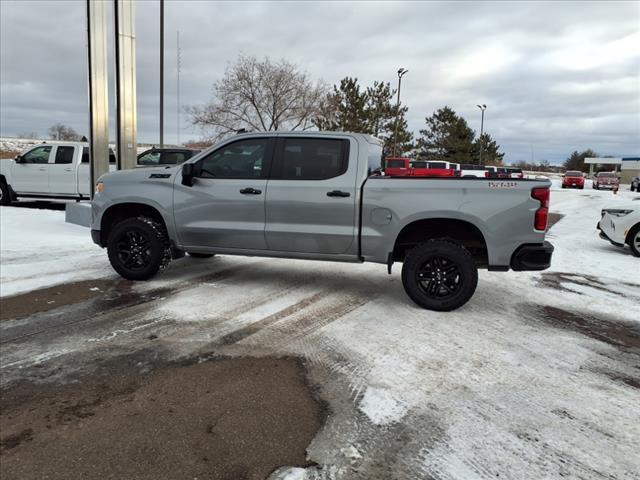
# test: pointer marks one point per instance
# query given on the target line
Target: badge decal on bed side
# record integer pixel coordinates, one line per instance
(493, 184)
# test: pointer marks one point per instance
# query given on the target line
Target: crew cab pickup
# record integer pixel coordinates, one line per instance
(314, 195)
(59, 170)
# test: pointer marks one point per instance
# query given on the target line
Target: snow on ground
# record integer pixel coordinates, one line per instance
(505, 386)
(38, 249)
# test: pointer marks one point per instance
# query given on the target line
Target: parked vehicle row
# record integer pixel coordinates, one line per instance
(406, 167)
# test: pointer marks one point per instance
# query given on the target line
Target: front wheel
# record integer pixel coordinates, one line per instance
(634, 240)
(5, 194)
(138, 248)
(439, 275)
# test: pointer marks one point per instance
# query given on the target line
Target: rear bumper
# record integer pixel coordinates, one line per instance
(532, 256)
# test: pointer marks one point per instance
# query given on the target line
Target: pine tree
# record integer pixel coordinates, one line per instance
(576, 160)
(491, 154)
(372, 111)
(345, 109)
(447, 137)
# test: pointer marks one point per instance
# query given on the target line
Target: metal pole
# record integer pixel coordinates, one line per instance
(401, 72)
(125, 53)
(98, 91)
(161, 73)
(482, 109)
(178, 88)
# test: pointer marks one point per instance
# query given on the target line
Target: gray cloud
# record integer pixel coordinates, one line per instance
(556, 76)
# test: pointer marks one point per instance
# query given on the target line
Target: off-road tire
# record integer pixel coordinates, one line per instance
(200, 255)
(156, 250)
(420, 259)
(5, 193)
(631, 237)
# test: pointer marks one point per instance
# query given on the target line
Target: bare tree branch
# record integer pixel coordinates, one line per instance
(260, 95)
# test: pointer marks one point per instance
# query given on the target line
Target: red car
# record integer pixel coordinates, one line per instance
(397, 167)
(432, 169)
(606, 180)
(573, 179)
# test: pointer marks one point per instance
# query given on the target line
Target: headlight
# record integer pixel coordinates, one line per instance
(99, 187)
(617, 212)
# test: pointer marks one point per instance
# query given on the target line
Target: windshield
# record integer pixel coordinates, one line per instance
(573, 174)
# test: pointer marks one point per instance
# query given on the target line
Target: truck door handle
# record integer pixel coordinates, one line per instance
(338, 193)
(42, 169)
(250, 191)
(67, 169)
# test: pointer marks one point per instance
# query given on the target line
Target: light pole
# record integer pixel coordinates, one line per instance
(482, 108)
(161, 73)
(401, 72)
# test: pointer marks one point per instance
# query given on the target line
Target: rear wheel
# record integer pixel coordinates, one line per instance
(5, 194)
(439, 275)
(200, 255)
(138, 248)
(634, 240)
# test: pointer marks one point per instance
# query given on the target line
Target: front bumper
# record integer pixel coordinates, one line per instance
(532, 256)
(95, 236)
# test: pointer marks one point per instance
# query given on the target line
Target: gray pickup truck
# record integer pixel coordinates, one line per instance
(320, 196)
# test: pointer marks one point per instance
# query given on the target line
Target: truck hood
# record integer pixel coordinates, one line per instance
(140, 174)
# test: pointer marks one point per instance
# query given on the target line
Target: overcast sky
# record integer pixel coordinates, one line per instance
(555, 76)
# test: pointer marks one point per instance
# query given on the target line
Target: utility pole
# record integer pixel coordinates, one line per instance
(482, 108)
(161, 73)
(178, 88)
(401, 72)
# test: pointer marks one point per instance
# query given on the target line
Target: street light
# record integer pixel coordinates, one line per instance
(482, 108)
(401, 72)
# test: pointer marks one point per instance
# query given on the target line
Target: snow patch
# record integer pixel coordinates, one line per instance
(381, 406)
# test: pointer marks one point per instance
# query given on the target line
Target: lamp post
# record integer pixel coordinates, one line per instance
(482, 108)
(401, 72)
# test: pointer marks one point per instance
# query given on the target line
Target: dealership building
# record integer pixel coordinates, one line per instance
(628, 167)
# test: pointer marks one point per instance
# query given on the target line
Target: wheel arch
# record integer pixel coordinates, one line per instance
(460, 231)
(121, 211)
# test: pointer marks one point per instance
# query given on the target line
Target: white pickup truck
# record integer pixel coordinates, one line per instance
(59, 170)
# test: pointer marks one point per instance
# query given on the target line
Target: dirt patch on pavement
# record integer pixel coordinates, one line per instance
(49, 298)
(612, 332)
(553, 218)
(226, 418)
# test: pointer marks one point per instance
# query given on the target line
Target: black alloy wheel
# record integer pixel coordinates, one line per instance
(439, 275)
(138, 248)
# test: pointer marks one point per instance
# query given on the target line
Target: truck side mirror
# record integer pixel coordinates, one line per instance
(18, 159)
(188, 171)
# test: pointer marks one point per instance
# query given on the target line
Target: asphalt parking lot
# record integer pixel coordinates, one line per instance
(322, 370)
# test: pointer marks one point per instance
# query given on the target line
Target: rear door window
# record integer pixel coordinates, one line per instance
(64, 155)
(311, 158)
(437, 165)
(173, 158)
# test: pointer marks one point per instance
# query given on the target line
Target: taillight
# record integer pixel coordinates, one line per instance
(542, 213)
